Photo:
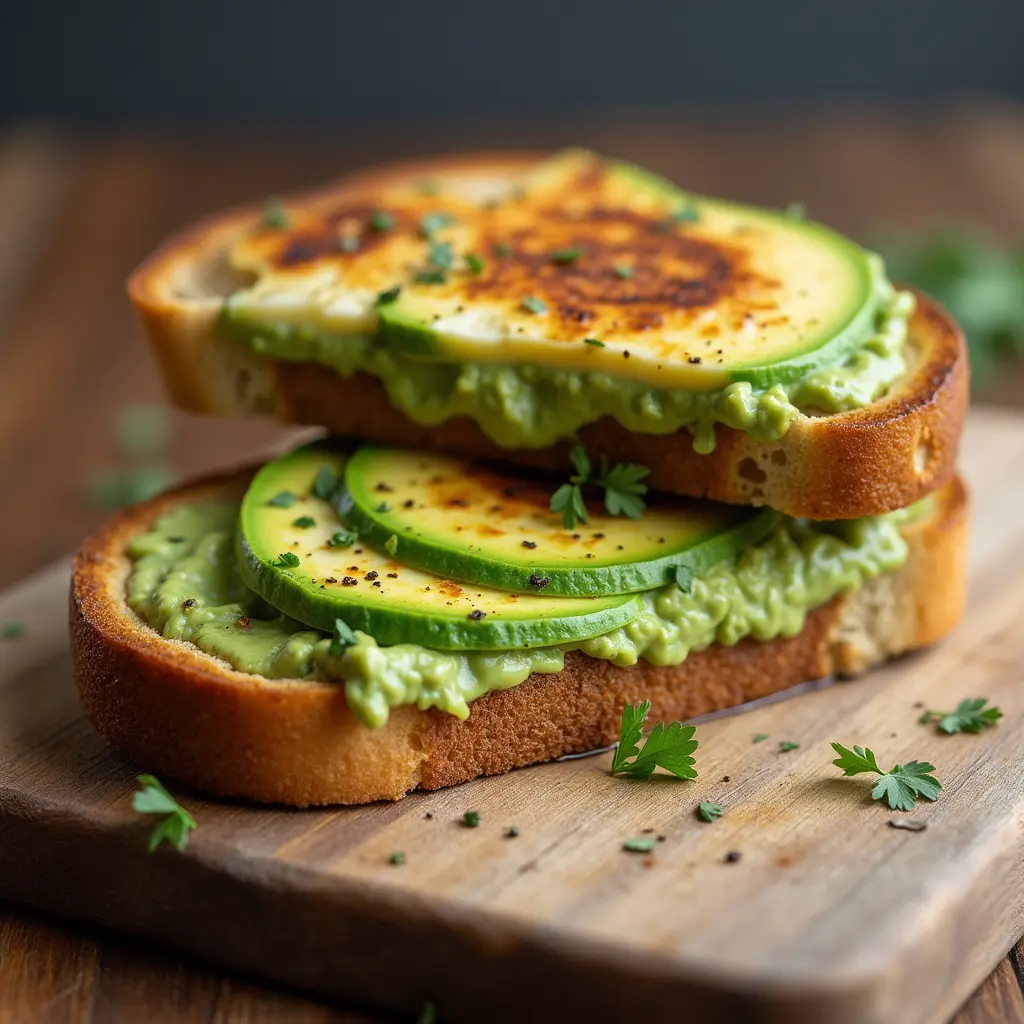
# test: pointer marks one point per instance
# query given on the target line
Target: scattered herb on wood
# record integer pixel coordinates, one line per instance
(177, 823)
(901, 786)
(665, 747)
(709, 810)
(970, 715)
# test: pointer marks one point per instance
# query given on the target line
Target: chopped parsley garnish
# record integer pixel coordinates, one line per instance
(596, 342)
(534, 305)
(621, 484)
(471, 819)
(441, 255)
(386, 298)
(391, 545)
(684, 578)
(684, 215)
(785, 746)
(383, 507)
(430, 277)
(669, 748)
(325, 483)
(902, 785)
(304, 522)
(283, 499)
(342, 639)
(474, 263)
(382, 221)
(274, 214)
(624, 271)
(432, 222)
(564, 256)
(638, 845)
(759, 737)
(287, 560)
(501, 250)
(348, 243)
(12, 630)
(709, 810)
(343, 538)
(177, 823)
(970, 715)
(398, 857)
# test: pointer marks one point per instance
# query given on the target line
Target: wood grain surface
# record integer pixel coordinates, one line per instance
(78, 212)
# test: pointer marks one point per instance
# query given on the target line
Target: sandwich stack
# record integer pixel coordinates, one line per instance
(590, 440)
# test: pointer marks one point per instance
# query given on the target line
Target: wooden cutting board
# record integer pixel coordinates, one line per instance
(829, 915)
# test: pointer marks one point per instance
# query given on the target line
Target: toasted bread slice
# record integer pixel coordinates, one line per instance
(175, 710)
(863, 462)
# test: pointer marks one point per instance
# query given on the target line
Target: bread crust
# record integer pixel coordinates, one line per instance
(863, 462)
(189, 716)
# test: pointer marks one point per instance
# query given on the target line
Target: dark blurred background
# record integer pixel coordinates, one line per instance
(342, 63)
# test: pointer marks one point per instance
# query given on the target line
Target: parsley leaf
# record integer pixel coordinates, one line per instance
(709, 810)
(432, 222)
(596, 342)
(534, 305)
(622, 488)
(474, 263)
(901, 786)
(325, 483)
(382, 221)
(391, 545)
(564, 256)
(638, 845)
(386, 298)
(759, 737)
(286, 560)
(430, 277)
(283, 499)
(342, 539)
(304, 522)
(12, 630)
(441, 255)
(274, 214)
(621, 483)
(665, 747)
(568, 500)
(684, 578)
(177, 822)
(343, 638)
(785, 746)
(971, 715)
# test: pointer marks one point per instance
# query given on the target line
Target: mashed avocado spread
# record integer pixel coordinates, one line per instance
(533, 406)
(184, 583)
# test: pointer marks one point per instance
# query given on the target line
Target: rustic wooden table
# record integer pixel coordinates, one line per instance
(77, 213)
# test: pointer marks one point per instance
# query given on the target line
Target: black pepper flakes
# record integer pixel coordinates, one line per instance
(392, 575)
(371, 575)
(384, 488)
(408, 503)
(349, 581)
(539, 581)
(531, 544)
(693, 359)
(376, 583)
(189, 602)
(330, 579)
(476, 614)
(733, 857)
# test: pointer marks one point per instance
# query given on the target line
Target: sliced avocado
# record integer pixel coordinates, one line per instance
(478, 523)
(681, 291)
(309, 573)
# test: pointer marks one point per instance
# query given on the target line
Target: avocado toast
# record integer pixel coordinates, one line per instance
(553, 364)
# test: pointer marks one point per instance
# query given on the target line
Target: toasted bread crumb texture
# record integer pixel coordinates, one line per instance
(863, 462)
(181, 713)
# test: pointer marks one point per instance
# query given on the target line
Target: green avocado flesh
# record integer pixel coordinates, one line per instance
(185, 583)
(477, 523)
(282, 521)
(535, 406)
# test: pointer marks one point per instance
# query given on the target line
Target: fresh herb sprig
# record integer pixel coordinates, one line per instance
(622, 485)
(901, 786)
(176, 824)
(667, 747)
(970, 715)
